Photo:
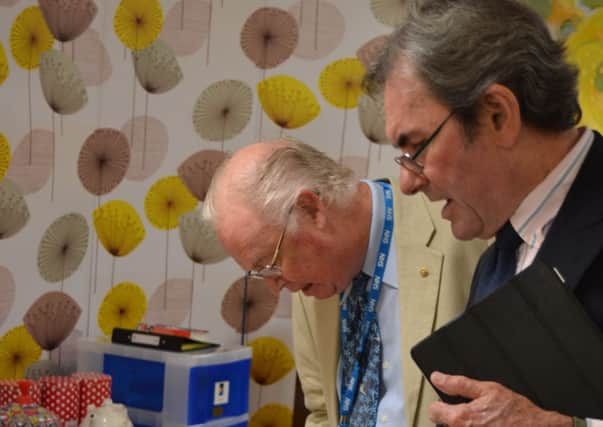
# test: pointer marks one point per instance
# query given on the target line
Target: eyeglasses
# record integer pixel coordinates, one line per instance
(272, 271)
(410, 161)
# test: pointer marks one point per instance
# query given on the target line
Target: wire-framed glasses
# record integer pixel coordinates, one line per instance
(411, 161)
(272, 271)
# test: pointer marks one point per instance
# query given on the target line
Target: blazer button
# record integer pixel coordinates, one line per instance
(424, 272)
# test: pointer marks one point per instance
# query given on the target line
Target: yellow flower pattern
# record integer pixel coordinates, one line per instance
(288, 102)
(272, 415)
(341, 82)
(124, 306)
(4, 156)
(271, 360)
(564, 18)
(18, 350)
(589, 59)
(166, 200)
(118, 227)
(30, 38)
(3, 64)
(137, 23)
(590, 30)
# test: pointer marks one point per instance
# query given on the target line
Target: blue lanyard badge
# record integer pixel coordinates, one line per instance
(348, 391)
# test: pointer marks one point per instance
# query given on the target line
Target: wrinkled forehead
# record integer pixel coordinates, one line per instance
(244, 235)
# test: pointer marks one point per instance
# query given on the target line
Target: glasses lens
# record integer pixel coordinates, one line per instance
(408, 163)
(266, 273)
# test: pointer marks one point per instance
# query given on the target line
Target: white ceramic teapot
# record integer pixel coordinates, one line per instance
(109, 414)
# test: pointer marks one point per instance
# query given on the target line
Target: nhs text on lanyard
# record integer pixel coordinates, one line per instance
(348, 391)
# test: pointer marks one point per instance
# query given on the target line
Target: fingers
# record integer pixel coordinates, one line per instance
(448, 415)
(458, 385)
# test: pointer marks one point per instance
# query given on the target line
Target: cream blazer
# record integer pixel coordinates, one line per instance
(434, 277)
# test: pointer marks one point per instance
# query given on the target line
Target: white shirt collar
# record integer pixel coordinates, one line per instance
(537, 210)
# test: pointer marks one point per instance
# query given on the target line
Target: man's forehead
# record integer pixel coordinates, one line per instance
(240, 230)
(403, 87)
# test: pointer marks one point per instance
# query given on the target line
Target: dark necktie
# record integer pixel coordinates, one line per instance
(498, 264)
(364, 410)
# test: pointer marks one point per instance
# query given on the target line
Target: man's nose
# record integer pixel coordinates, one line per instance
(411, 182)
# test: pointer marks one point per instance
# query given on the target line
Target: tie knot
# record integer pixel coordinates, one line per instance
(507, 238)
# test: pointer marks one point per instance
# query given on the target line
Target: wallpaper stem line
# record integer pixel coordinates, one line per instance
(368, 158)
(53, 156)
(167, 252)
(90, 279)
(30, 116)
(113, 271)
(244, 311)
(211, 3)
(133, 104)
(144, 138)
(92, 271)
(259, 107)
(101, 67)
(259, 397)
(96, 267)
(190, 315)
(223, 134)
(63, 274)
(182, 16)
(345, 120)
(316, 9)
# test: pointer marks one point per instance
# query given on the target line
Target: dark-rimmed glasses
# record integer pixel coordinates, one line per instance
(410, 161)
(272, 271)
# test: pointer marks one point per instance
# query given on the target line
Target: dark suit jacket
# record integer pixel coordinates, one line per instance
(574, 243)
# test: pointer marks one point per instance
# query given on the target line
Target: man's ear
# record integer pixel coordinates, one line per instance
(310, 208)
(500, 114)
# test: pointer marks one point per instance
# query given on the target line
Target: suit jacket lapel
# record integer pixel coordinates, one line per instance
(329, 315)
(576, 234)
(419, 269)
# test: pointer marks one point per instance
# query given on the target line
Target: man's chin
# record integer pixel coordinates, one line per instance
(462, 232)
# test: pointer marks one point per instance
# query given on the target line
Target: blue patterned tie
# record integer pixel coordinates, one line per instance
(498, 264)
(364, 411)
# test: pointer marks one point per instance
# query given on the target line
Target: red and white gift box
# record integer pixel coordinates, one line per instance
(61, 395)
(94, 389)
(10, 391)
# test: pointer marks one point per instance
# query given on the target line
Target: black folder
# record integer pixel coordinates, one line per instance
(531, 335)
(158, 341)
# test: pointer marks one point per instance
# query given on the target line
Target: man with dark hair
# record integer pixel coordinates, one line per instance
(483, 105)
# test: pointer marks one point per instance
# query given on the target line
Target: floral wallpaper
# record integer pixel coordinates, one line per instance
(113, 118)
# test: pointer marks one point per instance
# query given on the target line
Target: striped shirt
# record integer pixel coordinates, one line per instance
(534, 216)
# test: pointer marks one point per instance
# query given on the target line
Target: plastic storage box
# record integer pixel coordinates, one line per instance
(168, 389)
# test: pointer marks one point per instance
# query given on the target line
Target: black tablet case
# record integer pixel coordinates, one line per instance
(531, 335)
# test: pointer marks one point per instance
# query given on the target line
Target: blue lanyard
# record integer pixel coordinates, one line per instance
(348, 391)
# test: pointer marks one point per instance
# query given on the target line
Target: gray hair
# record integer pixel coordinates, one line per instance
(272, 187)
(458, 48)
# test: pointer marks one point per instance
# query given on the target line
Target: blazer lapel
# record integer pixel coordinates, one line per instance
(419, 269)
(329, 315)
(576, 234)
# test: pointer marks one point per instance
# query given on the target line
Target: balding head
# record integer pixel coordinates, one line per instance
(253, 191)
(269, 188)
(228, 203)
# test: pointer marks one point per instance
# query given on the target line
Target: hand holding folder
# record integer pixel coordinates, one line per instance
(533, 337)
